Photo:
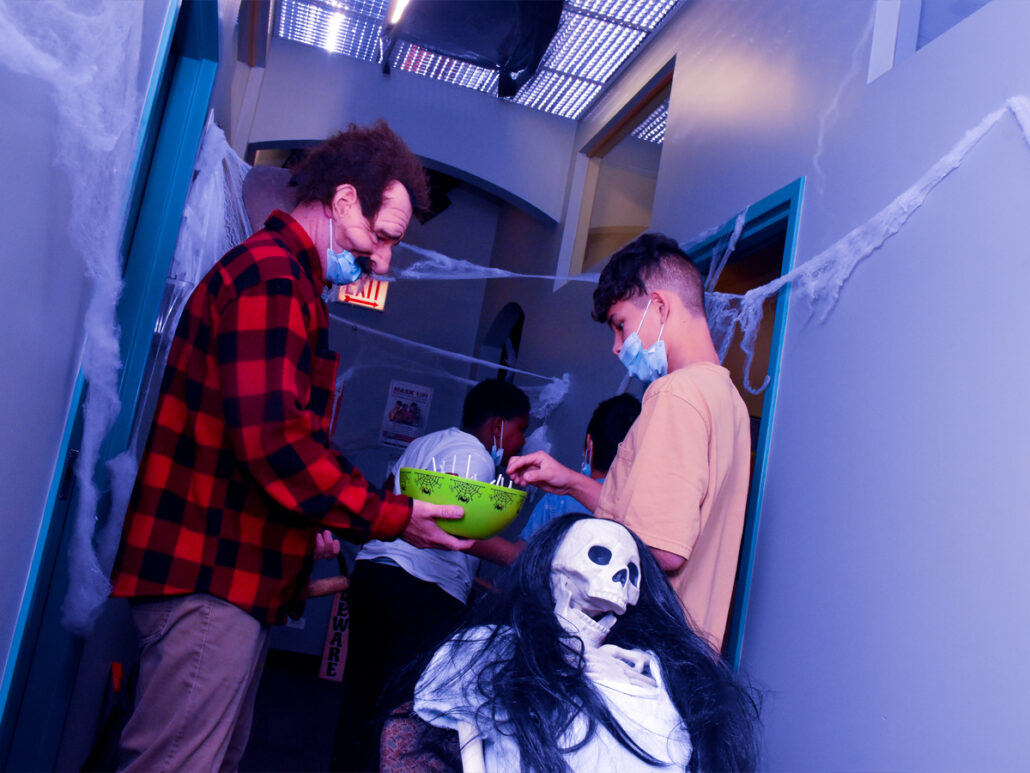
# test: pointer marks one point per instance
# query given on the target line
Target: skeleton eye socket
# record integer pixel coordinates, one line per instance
(599, 554)
(634, 574)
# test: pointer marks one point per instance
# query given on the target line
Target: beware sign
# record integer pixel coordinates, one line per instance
(334, 655)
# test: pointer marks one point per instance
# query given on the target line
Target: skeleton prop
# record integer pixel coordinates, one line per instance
(584, 661)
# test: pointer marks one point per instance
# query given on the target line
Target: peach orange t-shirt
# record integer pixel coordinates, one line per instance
(680, 481)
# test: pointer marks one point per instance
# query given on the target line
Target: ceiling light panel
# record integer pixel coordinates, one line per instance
(652, 128)
(415, 59)
(558, 93)
(593, 48)
(641, 13)
(351, 27)
(594, 38)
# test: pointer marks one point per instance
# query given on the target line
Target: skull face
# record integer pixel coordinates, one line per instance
(595, 576)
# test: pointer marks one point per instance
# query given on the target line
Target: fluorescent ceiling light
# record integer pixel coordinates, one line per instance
(594, 38)
(652, 128)
(398, 10)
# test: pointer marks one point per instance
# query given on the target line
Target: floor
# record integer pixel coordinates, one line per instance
(294, 716)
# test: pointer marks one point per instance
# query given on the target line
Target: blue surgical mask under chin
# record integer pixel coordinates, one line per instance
(496, 451)
(645, 364)
(340, 267)
(585, 467)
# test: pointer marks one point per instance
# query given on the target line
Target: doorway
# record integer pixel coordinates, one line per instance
(764, 251)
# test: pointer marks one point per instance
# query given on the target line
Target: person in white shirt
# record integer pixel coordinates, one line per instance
(404, 600)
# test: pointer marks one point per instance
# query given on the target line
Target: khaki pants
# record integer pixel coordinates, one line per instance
(200, 665)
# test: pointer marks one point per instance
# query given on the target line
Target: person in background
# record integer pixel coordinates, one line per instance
(238, 476)
(608, 425)
(680, 478)
(404, 600)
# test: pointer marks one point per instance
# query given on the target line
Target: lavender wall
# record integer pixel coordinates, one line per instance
(307, 94)
(42, 303)
(886, 621)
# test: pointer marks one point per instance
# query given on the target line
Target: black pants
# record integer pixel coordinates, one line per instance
(394, 620)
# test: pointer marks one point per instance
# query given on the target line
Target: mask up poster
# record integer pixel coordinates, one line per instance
(406, 413)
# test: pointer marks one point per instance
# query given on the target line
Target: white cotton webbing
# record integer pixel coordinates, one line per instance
(87, 56)
(436, 350)
(543, 398)
(435, 265)
(721, 257)
(213, 222)
(820, 279)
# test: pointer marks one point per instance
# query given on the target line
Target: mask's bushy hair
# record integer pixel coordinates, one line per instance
(367, 157)
(533, 684)
(649, 262)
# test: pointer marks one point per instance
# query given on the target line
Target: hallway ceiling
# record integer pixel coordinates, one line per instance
(594, 38)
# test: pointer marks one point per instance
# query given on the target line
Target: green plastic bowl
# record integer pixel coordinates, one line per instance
(488, 508)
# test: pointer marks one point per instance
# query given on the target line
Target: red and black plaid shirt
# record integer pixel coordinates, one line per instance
(238, 475)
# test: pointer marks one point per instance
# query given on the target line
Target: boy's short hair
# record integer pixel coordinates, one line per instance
(367, 157)
(651, 261)
(493, 398)
(608, 426)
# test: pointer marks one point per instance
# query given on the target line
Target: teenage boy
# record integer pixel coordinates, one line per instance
(680, 478)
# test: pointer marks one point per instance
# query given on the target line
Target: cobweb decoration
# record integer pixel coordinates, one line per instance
(429, 264)
(720, 257)
(416, 357)
(543, 399)
(820, 279)
(213, 222)
(88, 59)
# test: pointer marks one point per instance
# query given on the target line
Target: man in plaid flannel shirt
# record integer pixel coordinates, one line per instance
(238, 476)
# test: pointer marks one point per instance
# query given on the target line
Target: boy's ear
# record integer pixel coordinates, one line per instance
(660, 299)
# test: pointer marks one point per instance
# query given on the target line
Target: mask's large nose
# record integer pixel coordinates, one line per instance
(381, 259)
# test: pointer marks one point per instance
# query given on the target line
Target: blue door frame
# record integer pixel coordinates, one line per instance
(41, 669)
(780, 208)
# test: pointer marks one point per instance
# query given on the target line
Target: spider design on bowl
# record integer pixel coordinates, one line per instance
(465, 491)
(427, 484)
(501, 499)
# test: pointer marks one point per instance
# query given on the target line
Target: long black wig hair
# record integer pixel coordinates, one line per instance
(531, 673)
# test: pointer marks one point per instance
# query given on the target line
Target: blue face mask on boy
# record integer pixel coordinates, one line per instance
(341, 268)
(646, 364)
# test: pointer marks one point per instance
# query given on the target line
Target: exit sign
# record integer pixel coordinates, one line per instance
(371, 296)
